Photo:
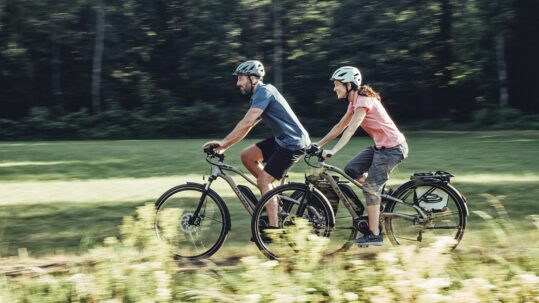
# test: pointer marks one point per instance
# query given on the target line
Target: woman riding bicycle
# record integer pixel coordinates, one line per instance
(373, 165)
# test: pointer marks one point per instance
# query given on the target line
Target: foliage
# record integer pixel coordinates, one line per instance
(138, 268)
(433, 59)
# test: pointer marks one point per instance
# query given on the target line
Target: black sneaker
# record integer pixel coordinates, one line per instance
(370, 239)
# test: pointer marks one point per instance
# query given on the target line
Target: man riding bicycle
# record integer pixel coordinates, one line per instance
(278, 153)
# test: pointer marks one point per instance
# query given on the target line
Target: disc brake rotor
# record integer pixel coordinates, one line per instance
(184, 223)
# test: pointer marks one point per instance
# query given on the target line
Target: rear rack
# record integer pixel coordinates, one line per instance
(442, 176)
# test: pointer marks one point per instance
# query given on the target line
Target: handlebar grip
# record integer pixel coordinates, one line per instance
(313, 149)
(209, 150)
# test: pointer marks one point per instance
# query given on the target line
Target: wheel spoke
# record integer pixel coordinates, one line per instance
(201, 242)
(193, 240)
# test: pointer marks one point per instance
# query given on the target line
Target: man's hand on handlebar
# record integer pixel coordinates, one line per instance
(216, 146)
(313, 149)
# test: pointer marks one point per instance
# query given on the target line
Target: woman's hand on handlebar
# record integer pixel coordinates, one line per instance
(328, 153)
(315, 150)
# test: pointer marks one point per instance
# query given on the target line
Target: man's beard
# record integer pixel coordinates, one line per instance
(246, 91)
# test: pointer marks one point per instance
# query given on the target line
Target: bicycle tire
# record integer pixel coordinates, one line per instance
(185, 237)
(321, 226)
(453, 215)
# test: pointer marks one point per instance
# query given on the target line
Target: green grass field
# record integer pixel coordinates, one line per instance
(67, 196)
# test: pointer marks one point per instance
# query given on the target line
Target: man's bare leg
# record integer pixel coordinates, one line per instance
(252, 157)
(265, 184)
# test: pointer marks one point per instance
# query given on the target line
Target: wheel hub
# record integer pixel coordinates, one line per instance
(184, 223)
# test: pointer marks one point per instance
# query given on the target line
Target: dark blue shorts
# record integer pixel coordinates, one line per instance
(276, 158)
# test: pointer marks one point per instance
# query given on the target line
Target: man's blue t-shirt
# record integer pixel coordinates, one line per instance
(288, 131)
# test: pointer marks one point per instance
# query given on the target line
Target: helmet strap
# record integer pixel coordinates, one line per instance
(252, 85)
(347, 91)
(250, 81)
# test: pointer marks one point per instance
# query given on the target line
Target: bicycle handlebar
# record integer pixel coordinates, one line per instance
(315, 151)
(210, 153)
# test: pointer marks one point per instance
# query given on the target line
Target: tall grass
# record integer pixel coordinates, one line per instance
(501, 267)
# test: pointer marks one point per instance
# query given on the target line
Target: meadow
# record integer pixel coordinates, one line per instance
(68, 200)
(67, 196)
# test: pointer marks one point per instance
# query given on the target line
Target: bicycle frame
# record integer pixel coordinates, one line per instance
(219, 170)
(323, 167)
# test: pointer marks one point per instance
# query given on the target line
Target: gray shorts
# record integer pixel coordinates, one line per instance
(379, 163)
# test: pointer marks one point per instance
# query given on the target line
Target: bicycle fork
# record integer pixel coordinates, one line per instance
(195, 219)
(303, 205)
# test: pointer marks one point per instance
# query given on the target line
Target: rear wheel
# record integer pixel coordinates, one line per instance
(444, 207)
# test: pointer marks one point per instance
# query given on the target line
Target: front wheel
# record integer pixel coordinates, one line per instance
(192, 234)
(298, 212)
(444, 207)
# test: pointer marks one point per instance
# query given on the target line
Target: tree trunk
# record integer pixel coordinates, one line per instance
(56, 78)
(443, 94)
(502, 69)
(98, 56)
(277, 45)
(444, 44)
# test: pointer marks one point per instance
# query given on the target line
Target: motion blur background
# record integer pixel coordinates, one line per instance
(162, 69)
(79, 77)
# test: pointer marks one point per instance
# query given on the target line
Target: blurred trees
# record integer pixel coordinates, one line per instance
(174, 58)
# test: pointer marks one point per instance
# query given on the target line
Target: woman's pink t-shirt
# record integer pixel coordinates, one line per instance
(377, 122)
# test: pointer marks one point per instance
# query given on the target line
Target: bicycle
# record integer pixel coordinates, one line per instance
(195, 220)
(427, 203)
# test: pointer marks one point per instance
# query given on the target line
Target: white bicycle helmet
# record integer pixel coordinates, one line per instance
(347, 74)
(250, 67)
